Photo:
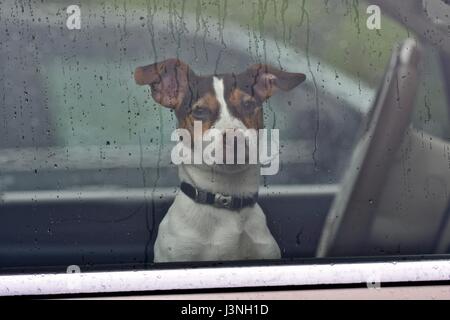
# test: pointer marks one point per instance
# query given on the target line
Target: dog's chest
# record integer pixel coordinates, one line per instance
(196, 232)
(209, 222)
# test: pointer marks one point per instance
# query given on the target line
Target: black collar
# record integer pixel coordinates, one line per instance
(217, 199)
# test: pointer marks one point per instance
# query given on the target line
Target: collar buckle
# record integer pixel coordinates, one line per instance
(223, 201)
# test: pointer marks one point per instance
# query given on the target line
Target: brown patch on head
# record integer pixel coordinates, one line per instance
(174, 85)
(206, 109)
(247, 92)
(246, 108)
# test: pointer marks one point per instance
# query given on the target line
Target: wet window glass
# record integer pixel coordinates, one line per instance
(134, 132)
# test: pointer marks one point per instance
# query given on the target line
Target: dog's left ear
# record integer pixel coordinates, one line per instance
(169, 81)
(266, 80)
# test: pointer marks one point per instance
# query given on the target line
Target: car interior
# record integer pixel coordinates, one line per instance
(85, 170)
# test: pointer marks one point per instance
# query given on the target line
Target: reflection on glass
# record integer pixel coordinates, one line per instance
(86, 173)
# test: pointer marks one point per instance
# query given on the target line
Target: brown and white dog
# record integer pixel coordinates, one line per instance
(215, 216)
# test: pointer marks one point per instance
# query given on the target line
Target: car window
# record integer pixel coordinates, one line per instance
(87, 169)
(431, 110)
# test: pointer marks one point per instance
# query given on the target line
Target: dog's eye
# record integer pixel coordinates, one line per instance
(249, 105)
(201, 113)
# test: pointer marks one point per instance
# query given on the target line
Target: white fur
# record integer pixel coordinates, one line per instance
(197, 232)
(226, 120)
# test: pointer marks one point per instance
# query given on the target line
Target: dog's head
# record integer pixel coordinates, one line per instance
(223, 102)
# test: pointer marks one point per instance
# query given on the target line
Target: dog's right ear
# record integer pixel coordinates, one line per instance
(169, 81)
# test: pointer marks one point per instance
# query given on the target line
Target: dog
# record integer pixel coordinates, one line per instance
(215, 216)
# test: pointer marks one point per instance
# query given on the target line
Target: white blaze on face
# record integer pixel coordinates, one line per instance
(226, 120)
(231, 126)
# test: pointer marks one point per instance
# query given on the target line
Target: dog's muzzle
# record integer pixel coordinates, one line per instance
(218, 200)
